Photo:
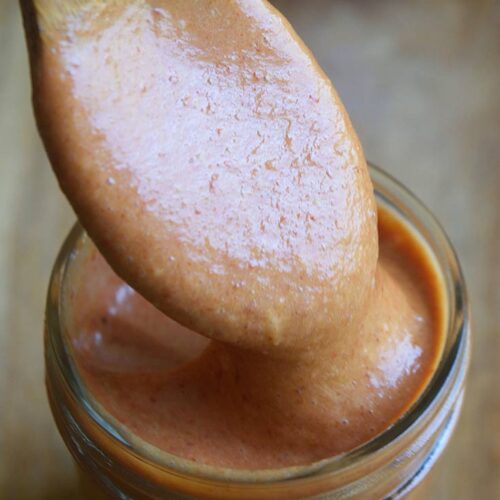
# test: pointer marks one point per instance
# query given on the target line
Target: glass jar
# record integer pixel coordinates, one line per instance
(390, 465)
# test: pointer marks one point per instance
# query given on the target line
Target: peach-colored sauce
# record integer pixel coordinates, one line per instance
(207, 402)
(212, 163)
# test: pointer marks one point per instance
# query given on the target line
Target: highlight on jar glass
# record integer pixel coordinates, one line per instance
(112, 358)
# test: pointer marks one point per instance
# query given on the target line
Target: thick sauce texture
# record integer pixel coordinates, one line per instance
(214, 166)
(212, 162)
(190, 397)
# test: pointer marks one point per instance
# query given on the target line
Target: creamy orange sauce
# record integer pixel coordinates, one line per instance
(191, 397)
(214, 166)
(212, 162)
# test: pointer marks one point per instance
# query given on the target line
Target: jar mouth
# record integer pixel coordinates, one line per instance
(393, 196)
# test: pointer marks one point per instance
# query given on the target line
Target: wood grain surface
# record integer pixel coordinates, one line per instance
(421, 80)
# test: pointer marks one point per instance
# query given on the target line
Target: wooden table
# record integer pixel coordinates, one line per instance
(421, 81)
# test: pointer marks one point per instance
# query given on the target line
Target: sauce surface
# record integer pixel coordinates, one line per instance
(214, 166)
(212, 162)
(190, 397)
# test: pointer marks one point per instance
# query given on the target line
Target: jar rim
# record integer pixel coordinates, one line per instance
(388, 191)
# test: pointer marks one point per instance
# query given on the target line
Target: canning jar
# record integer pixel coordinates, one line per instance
(389, 466)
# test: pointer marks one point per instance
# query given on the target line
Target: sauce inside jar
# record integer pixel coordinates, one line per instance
(180, 392)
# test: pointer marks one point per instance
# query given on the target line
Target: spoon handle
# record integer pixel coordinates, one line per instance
(48, 15)
(43, 18)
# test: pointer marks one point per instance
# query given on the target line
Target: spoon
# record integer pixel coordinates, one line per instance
(211, 161)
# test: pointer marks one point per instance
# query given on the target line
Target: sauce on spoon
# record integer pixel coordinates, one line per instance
(214, 166)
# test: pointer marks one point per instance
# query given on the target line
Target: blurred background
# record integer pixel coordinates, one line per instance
(421, 81)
